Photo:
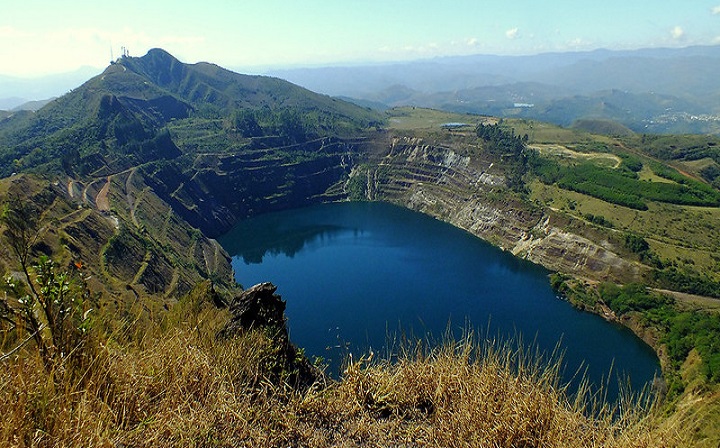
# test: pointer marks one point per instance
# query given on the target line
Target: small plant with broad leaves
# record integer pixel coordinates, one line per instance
(44, 305)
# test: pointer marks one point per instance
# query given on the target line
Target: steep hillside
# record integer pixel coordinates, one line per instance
(120, 115)
(141, 189)
(125, 260)
(203, 83)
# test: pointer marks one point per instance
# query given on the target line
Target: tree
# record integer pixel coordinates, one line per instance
(636, 243)
(246, 123)
(291, 126)
(49, 306)
(22, 228)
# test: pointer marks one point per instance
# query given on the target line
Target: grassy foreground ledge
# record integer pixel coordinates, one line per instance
(167, 380)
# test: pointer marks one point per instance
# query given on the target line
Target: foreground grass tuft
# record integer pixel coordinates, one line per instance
(180, 386)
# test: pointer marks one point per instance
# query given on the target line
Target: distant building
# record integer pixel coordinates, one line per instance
(453, 125)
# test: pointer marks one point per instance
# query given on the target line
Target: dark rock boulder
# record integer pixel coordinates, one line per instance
(255, 308)
(259, 308)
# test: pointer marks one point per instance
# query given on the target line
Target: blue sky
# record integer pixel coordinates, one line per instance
(42, 37)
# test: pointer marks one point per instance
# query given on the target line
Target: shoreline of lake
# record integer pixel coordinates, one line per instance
(285, 235)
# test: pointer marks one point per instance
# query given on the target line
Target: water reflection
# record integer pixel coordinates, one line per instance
(276, 239)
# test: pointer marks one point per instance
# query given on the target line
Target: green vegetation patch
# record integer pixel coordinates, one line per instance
(683, 280)
(680, 330)
(631, 297)
(540, 132)
(687, 330)
(623, 187)
(680, 147)
(412, 118)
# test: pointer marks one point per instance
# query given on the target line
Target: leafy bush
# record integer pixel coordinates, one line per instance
(684, 281)
(688, 330)
(357, 184)
(710, 173)
(598, 220)
(636, 243)
(682, 331)
(512, 150)
(49, 306)
(631, 163)
(547, 170)
(631, 297)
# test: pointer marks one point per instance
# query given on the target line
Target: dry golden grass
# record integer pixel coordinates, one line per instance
(178, 386)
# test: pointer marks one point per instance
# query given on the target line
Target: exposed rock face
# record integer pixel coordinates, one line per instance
(259, 308)
(149, 246)
(459, 189)
(551, 246)
(220, 189)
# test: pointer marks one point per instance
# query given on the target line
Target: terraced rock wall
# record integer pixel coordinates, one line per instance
(466, 192)
(219, 189)
(149, 247)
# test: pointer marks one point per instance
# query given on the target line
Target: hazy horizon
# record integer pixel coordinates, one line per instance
(266, 68)
(264, 35)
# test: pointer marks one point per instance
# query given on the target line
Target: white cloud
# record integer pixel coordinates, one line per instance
(512, 33)
(66, 49)
(184, 40)
(677, 33)
(472, 42)
(578, 43)
(428, 48)
(716, 11)
(9, 32)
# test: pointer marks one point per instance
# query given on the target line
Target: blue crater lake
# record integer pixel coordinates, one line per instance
(354, 273)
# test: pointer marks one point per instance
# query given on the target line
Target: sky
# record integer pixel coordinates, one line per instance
(38, 38)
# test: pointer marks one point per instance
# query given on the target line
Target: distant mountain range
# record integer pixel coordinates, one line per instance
(647, 91)
(15, 92)
(651, 90)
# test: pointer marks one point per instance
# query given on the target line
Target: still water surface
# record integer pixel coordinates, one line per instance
(354, 273)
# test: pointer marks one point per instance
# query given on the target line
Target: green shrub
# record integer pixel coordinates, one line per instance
(684, 281)
(631, 297)
(598, 220)
(631, 163)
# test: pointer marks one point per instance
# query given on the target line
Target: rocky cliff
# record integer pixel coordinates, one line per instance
(218, 189)
(458, 183)
(259, 308)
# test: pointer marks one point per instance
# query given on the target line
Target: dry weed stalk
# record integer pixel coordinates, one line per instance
(181, 387)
